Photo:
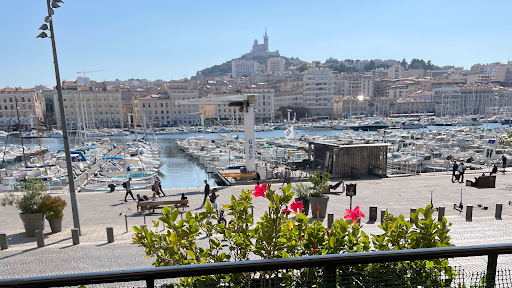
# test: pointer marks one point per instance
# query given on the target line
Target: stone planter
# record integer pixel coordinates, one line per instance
(322, 203)
(55, 224)
(32, 222)
(305, 203)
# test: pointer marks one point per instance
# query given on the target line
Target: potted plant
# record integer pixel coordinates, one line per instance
(302, 192)
(29, 204)
(316, 197)
(52, 207)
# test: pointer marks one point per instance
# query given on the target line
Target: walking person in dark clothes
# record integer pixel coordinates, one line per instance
(213, 199)
(258, 178)
(454, 170)
(206, 192)
(128, 191)
(494, 169)
(504, 161)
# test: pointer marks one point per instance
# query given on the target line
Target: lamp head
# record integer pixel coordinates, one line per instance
(47, 19)
(54, 4)
(50, 11)
(43, 27)
(42, 35)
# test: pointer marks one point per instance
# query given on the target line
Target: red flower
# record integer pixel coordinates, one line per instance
(353, 215)
(317, 208)
(313, 250)
(260, 190)
(328, 234)
(297, 207)
(286, 211)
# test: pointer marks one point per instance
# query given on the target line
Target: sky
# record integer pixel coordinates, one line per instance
(163, 39)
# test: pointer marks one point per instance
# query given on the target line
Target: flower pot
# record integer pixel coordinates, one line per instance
(305, 203)
(322, 203)
(32, 222)
(55, 224)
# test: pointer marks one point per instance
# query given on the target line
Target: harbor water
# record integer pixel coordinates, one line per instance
(181, 170)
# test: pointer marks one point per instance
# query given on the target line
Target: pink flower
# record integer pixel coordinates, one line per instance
(286, 211)
(353, 215)
(260, 190)
(317, 208)
(297, 207)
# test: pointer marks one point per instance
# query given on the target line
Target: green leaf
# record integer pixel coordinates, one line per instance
(191, 254)
(174, 215)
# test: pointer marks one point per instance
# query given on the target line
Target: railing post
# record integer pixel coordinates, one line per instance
(440, 213)
(150, 283)
(492, 263)
(469, 212)
(330, 276)
(3, 241)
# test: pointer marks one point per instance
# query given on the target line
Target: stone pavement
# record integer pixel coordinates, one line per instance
(98, 210)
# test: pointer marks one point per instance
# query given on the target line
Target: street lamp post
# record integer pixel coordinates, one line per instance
(71, 179)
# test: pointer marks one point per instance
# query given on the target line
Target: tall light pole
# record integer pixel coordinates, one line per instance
(71, 179)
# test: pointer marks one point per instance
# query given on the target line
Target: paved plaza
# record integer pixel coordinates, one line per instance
(98, 210)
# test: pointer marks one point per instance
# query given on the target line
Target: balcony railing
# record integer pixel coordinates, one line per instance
(335, 270)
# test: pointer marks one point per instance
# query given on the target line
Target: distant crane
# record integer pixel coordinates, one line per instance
(83, 72)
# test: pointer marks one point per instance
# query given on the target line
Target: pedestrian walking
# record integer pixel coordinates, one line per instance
(213, 199)
(455, 167)
(504, 161)
(287, 176)
(462, 169)
(128, 191)
(157, 188)
(206, 192)
(258, 178)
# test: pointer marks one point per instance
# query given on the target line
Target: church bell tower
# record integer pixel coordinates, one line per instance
(265, 41)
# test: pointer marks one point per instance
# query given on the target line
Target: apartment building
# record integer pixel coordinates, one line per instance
(275, 66)
(481, 78)
(243, 68)
(504, 73)
(395, 71)
(319, 91)
(347, 106)
(89, 107)
(367, 85)
(30, 108)
(289, 99)
(264, 105)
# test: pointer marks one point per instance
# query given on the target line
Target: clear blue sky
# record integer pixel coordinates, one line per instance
(174, 39)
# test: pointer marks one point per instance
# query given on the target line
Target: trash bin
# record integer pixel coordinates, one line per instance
(373, 213)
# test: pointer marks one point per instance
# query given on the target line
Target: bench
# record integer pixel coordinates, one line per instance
(153, 205)
(484, 182)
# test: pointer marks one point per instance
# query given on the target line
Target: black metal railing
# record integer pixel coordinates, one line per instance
(329, 262)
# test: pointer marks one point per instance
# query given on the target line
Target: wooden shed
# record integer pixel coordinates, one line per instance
(349, 161)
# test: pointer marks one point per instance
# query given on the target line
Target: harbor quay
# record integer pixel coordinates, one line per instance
(396, 194)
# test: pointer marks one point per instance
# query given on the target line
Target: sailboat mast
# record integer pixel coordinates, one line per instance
(21, 135)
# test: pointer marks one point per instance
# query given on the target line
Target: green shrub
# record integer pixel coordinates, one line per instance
(34, 190)
(320, 183)
(52, 207)
(301, 190)
(276, 235)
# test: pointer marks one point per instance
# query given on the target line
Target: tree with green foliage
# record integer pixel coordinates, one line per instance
(50, 108)
(34, 192)
(303, 67)
(404, 63)
(370, 66)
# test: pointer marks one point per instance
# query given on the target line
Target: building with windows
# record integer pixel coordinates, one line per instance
(243, 68)
(318, 91)
(289, 99)
(264, 105)
(162, 109)
(89, 107)
(395, 71)
(275, 66)
(367, 86)
(30, 108)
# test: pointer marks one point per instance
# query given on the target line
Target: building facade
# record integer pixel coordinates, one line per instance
(30, 108)
(243, 68)
(275, 66)
(318, 91)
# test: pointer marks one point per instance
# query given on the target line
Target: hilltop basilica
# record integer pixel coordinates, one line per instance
(261, 49)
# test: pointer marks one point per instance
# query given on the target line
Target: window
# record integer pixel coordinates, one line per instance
(99, 106)
(161, 104)
(144, 105)
(28, 99)
(149, 105)
(162, 112)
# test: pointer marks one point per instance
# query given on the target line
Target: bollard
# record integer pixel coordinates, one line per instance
(39, 238)
(440, 213)
(469, 212)
(372, 217)
(3, 241)
(252, 213)
(382, 215)
(74, 236)
(110, 234)
(330, 220)
(499, 209)
(126, 222)
(412, 211)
